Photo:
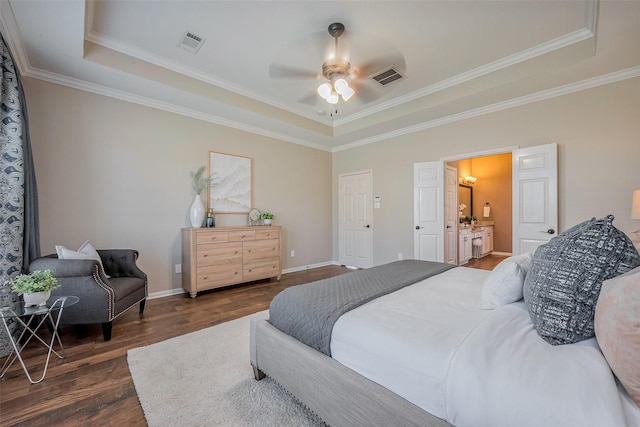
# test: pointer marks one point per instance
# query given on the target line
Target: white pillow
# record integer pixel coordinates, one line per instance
(85, 251)
(505, 283)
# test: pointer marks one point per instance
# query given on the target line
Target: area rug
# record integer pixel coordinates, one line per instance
(205, 378)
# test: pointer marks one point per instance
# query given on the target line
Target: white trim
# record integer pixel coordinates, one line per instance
(307, 267)
(508, 61)
(169, 293)
(165, 106)
(179, 291)
(485, 153)
(125, 49)
(504, 105)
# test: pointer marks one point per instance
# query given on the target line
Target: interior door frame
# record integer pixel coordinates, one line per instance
(369, 248)
(497, 151)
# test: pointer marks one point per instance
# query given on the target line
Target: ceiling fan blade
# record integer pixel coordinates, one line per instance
(285, 72)
(393, 59)
(309, 99)
(365, 93)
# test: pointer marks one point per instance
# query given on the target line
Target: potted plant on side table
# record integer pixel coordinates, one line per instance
(267, 218)
(35, 287)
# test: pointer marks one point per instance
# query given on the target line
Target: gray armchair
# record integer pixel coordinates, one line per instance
(102, 298)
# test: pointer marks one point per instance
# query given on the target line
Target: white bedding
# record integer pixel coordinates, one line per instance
(432, 345)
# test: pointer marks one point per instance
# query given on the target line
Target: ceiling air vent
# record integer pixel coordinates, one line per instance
(387, 76)
(191, 42)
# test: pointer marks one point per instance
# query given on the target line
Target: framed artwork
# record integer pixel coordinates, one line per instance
(230, 189)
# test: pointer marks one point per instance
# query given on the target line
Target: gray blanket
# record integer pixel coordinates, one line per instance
(308, 312)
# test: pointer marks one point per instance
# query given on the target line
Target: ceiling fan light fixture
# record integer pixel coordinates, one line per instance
(332, 98)
(347, 93)
(341, 85)
(324, 90)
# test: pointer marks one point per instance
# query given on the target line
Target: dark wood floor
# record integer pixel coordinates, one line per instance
(92, 385)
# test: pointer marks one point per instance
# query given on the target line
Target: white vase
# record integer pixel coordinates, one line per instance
(197, 212)
(36, 298)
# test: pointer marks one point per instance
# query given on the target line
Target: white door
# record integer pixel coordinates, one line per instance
(451, 215)
(355, 247)
(535, 196)
(428, 214)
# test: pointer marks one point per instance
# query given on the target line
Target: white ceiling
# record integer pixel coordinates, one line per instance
(459, 58)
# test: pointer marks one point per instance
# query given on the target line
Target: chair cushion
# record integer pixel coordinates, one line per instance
(563, 284)
(127, 292)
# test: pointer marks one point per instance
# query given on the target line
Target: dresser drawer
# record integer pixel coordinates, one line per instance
(260, 269)
(209, 237)
(221, 274)
(215, 253)
(267, 234)
(242, 235)
(260, 249)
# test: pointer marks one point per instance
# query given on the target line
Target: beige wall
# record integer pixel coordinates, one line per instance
(596, 130)
(494, 186)
(117, 173)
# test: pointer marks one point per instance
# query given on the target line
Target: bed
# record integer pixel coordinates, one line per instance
(460, 346)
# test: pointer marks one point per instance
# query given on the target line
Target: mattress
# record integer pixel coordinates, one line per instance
(431, 344)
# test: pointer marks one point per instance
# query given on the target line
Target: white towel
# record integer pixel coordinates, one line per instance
(486, 211)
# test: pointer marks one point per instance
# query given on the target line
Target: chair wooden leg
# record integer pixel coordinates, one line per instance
(142, 305)
(106, 330)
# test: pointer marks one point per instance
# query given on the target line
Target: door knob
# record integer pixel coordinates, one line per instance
(448, 226)
(418, 227)
(549, 231)
(367, 226)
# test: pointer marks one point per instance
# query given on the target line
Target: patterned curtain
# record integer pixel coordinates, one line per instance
(19, 230)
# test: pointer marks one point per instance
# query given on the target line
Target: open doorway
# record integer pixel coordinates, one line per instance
(487, 199)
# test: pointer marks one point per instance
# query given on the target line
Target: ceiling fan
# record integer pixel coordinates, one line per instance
(342, 80)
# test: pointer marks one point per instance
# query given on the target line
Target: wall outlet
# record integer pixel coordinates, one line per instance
(399, 256)
(293, 254)
(178, 268)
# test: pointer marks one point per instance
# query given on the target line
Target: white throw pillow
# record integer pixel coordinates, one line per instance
(85, 251)
(505, 283)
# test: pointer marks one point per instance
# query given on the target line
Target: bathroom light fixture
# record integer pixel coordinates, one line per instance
(469, 180)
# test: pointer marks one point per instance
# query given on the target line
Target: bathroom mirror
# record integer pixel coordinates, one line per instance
(465, 196)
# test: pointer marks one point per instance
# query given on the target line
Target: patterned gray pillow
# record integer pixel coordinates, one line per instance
(562, 287)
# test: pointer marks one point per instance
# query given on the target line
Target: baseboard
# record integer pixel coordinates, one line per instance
(308, 267)
(502, 253)
(179, 291)
(162, 294)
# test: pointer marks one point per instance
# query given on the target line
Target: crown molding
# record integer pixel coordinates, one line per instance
(9, 28)
(614, 77)
(500, 64)
(126, 49)
(165, 106)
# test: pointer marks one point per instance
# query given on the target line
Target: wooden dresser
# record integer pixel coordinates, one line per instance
(222, 256)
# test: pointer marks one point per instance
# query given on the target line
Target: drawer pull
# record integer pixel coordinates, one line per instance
(205, 277)
(205, 255)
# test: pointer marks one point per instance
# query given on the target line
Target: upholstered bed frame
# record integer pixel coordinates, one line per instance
(337, 394)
